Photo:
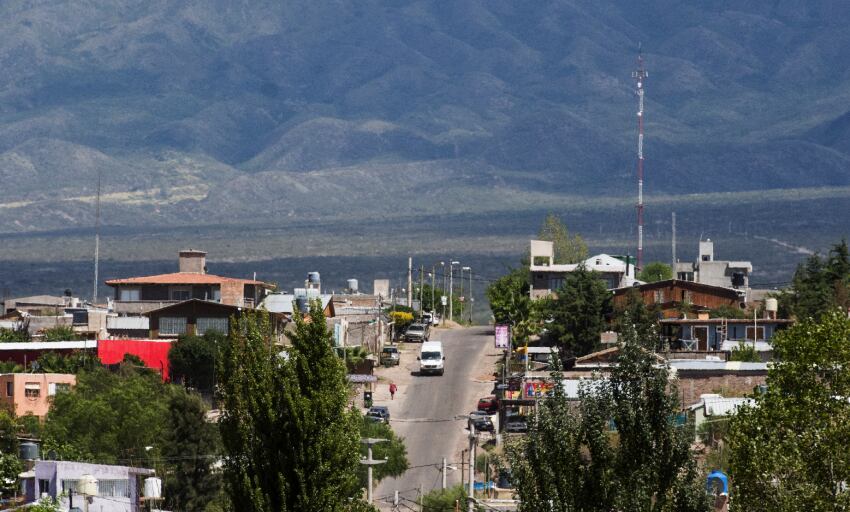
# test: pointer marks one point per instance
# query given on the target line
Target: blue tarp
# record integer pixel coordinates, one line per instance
(717, 476)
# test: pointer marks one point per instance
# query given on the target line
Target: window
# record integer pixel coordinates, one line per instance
(43, 486)
(659, 296)
(130, 294)
(32, 390)
(216, 294)
(10, 388)
(206, 324)
(105, 488)
(172, 325)
(54, 388)
(758, 332)
(556, 283)
(181, 293)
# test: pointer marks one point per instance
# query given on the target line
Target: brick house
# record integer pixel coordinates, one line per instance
(137, 295)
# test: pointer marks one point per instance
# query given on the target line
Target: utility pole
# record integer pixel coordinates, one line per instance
(421, 289)
(433, 304)
(369, 462)
(96, 240)
(674, 245)
(410, 282)
(468, 298)
(444, 473)
(471, 498)
(451, 288)
(461, 293)
(640, 76)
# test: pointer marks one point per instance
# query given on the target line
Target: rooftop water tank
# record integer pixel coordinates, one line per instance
(153, 487)
(87, 485)
(771, 304)
(352, 285)
(29, 451)
(313, 277)
(303, 304)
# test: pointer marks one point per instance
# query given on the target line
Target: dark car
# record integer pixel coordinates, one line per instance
(516, 425)
(488, 404)
(417, 332)
(483, 424)
(378, 413)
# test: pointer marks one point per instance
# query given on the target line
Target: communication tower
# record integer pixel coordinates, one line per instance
(640, 75)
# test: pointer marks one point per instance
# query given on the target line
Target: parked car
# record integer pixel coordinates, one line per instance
(516, 425)
(417, 332)
(390, 356)
(378, 413)
(483, 424)
(489, 404)
(427, 319)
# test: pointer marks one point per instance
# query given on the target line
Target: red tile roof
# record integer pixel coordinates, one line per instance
(183, 278)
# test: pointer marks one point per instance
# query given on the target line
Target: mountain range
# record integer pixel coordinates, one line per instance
(233, 112)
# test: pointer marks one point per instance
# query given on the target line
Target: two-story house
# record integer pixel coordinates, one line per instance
(547, 277)
(137, 295)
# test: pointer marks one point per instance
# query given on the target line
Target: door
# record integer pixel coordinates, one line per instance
(701, 335)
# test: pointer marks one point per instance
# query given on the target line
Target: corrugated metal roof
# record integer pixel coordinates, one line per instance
(48, 345)
(711, 365)
(128, 322)
(716, 405)
(283, 302)
(183, 278)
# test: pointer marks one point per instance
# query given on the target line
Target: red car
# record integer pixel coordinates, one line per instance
(488, 404)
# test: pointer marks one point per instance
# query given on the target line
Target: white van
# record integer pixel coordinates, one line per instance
(431, 358)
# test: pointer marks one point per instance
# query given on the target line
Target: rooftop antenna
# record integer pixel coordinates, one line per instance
(640, 76)
(96, 239)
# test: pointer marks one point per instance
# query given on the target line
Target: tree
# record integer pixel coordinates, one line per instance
(577, 314)
(393, 451)
(511, 304)
(290, 440)
(192, 359)
(446, 500)
(572, 460)
(727, 311)
(192, 445)
(109, 417)
(789, 450)
(10, 468)
(60, 333)
(567, 249)
(52, 362)
(819, 285)
(635, 313)
(655, 271)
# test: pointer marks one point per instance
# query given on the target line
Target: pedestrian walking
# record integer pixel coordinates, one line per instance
(393, 389)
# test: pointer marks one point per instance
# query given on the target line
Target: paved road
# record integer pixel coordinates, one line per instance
(426, 418)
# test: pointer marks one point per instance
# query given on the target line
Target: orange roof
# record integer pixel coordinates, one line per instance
(183, 278)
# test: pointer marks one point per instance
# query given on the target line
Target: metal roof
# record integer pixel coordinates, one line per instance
(283, 302)
(715, 365)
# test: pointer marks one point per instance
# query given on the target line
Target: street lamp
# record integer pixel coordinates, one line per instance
(451, 288)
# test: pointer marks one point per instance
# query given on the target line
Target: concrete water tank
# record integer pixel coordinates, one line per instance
(313, 278)
(153, 487)
(352, 285)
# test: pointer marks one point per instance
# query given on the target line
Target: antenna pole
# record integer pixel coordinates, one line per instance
(640, 76)
(674, 245)
(96, 239)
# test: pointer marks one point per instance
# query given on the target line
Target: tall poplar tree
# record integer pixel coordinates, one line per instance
(568, 249)
(290, 438)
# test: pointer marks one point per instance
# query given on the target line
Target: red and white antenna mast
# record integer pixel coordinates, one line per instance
(640, 76)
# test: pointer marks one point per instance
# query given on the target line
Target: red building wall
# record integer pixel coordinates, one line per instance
(153, 352)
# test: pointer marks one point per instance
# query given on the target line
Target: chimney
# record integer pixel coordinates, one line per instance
(193, 262)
